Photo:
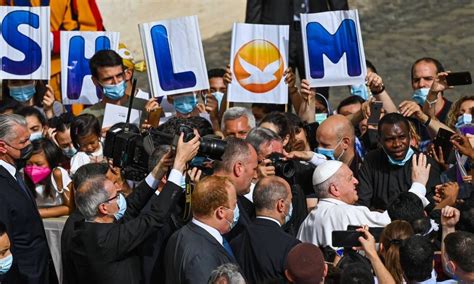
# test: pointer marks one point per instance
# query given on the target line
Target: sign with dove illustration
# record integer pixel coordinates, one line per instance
(259, 56)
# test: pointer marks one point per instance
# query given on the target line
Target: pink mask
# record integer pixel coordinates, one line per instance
(36, 173)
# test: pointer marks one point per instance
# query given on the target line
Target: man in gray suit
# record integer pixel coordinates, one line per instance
(198, 248)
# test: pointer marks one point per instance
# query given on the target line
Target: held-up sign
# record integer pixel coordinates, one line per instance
(333, 49)
(174, 56)
(25, 43)
(259, 57)
(76, 50)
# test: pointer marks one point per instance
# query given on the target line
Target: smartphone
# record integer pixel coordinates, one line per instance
(442, 140)
(459, 78)
(375, 111)
(346, 239)
(374, 231)
(154, 117)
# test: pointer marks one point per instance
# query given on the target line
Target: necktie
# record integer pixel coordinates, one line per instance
(22, 184)
(227, 247)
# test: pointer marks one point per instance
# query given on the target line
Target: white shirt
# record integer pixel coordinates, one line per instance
(269, 218)
(214, 233)
(331, 214)
(175, 177)
(249, 195)
(9, 167)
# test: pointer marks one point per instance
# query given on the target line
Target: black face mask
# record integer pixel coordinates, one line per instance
(26, 152)
(370, 139)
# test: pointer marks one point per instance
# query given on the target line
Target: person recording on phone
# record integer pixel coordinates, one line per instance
(104, 244)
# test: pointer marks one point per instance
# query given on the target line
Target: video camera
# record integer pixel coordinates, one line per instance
(131, 151)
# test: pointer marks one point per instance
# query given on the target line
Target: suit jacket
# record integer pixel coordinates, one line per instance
(108, 253)
(261, 251)
(280, 12)
(192, 254)
(247, 214)
(29, 246)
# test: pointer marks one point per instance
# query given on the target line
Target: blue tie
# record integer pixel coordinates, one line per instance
(227, 247)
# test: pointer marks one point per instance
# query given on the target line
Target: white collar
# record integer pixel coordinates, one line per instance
(269, 218)
(215, 233)
(333, 201)
(9, 167)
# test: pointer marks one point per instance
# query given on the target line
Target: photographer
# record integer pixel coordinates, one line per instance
(105, 243)
(270, 151)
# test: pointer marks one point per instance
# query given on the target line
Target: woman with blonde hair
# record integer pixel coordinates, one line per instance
(390, 241)
(460, 107)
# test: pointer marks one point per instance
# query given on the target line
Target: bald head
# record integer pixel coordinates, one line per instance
(268, 191)
(336, 125)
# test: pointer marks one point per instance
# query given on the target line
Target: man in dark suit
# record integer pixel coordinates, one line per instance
(82, 174)
(198, 248)
(105, 245)
(239, 165)
(287, 12)
(262, 248)
(18, 210)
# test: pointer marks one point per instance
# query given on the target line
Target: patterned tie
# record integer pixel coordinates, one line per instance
(227, 247)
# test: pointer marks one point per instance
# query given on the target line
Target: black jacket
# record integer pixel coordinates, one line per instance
(261, 251)
(108, 253)
(18, 211)
(192, 254)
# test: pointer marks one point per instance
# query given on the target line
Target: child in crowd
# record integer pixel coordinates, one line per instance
(50, 183)
(85, 135)
(59, 131)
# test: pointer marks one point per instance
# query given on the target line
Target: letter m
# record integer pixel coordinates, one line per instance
(320, 42)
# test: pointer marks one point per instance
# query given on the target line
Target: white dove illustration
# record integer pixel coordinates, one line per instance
(258, 76)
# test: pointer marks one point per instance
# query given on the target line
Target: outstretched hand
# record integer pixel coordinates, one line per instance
(420, 169)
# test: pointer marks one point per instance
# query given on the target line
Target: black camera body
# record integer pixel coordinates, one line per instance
(283, 168)
(126, 150)
(131, 151)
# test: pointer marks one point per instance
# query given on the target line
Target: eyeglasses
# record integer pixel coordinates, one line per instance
(112, 198)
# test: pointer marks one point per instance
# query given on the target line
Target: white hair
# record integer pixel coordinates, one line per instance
(237, 112)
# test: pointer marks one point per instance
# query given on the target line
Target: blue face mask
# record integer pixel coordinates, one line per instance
(22, 93)
(114, 92)
(408, 155)
(69, 151)
(122, 205)
(330, 152)
(184, 104)
(219, 96)
(420, 95)
(320, 117)
(464, 119)
(6, 264)
(236, 217)
(360, 90)
(290, 213)
(36, 135)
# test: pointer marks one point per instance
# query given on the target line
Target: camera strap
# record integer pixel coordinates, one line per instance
(187, 214)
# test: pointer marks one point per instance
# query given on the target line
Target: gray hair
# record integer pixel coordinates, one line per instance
(90, 195)
(7, 122)
(236, 150)
(322, 189)
(229, 271)
(259, 135)
(237, 112)
(268, 191)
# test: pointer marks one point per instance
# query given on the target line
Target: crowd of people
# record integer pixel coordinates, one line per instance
(258, 194)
